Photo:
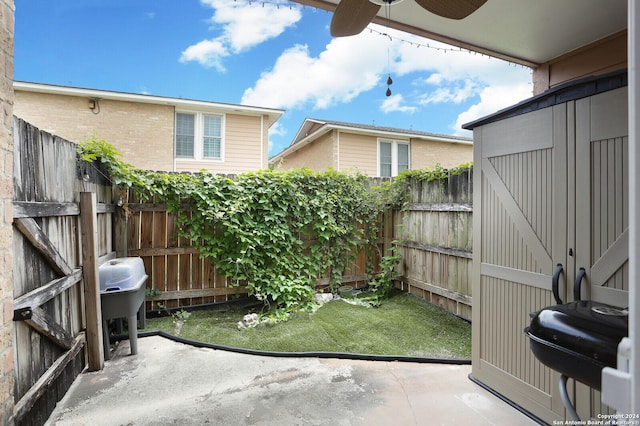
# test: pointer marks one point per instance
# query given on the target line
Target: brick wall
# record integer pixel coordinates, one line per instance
(143, 133)
(360, 152)
(426, 155)
(6, 214)
(317, 156)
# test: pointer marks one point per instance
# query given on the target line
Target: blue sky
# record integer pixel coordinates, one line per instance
(274, 54)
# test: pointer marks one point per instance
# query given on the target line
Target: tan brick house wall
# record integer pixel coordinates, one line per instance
(426, 154)
(142, 127)
(143, 133)
(317, 155)
(6, 212)
(351, 151)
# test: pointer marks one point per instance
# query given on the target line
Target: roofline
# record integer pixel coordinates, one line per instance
(384, 131)
(274, 114)
(301, 143)
(295, 138)
(366, 130)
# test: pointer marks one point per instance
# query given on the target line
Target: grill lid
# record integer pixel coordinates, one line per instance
(125, 273)
(579, 338)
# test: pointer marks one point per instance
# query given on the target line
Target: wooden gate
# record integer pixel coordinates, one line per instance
(52, 314)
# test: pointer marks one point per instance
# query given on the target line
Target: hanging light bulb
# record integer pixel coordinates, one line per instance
(388, 91)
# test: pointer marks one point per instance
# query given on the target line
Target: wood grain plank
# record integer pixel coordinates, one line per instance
(32, 231)
(48, 291)
(42, 385)
(93, 308)
(22, 209)
(44, 324)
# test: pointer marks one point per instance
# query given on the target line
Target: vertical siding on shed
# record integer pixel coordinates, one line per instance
(552, 191)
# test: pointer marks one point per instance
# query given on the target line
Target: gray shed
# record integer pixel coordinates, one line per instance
(550, 188)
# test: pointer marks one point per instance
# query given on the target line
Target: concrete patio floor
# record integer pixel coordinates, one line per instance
(171, 383)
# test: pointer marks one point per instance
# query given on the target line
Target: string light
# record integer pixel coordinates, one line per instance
(418, 45)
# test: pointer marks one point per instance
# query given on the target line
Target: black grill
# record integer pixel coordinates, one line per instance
(578, 339)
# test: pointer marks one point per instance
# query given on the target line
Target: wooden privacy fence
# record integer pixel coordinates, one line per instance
(56, 316)
(433, 232)
(434, 235)
(178, 275)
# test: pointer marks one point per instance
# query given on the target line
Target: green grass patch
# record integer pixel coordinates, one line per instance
(402, 325)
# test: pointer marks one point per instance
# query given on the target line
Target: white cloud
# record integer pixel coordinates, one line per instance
(435, 78)
(244, 25)
(350, 66)
(492, 99)
(456, 91)
(207, 52)
(395, 103)
(337, 75)
(277, 129)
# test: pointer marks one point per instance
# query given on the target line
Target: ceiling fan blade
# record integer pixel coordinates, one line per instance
(452, 9)
(352, 16)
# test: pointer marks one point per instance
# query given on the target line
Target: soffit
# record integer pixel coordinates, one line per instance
(529, 32)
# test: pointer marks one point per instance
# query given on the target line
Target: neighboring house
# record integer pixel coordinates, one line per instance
(372, 150)
(153, 132)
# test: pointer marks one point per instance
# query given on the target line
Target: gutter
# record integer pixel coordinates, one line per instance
(273, 114)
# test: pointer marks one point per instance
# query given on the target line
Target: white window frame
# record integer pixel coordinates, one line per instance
(394, 154)
(198, 142)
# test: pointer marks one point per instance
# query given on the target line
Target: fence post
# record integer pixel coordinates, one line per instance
(93, 311)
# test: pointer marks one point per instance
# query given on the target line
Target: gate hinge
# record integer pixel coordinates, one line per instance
(22, 314)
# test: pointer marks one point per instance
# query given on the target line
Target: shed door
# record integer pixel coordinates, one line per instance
(602, 203)
(520, 235)
(601, 212)
(550, 187)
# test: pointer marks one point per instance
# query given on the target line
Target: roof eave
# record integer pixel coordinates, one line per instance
(273, 114)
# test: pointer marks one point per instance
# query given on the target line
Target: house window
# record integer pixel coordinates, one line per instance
(393, 157)
(199, 136)
(212, 137)
(185, 127)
